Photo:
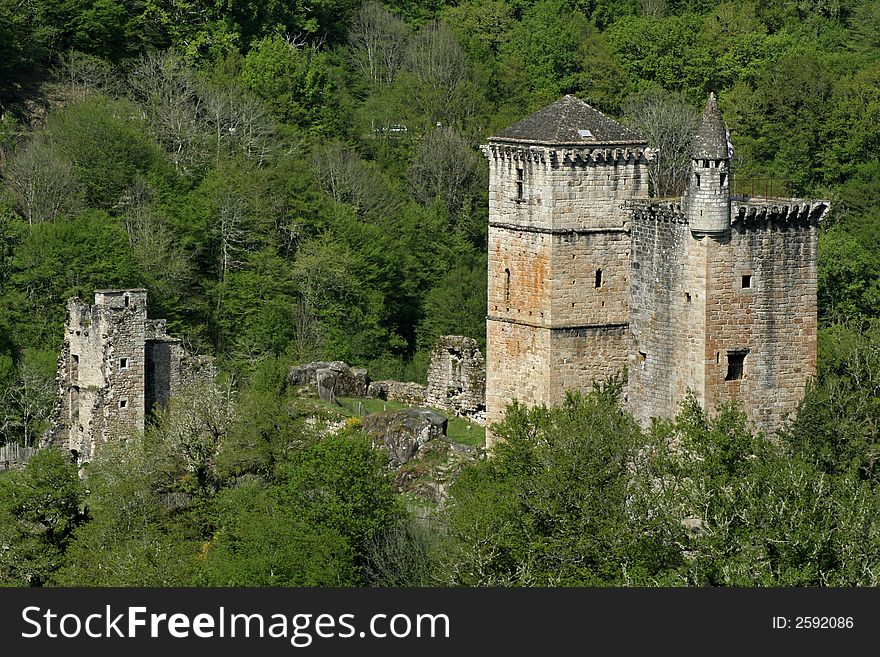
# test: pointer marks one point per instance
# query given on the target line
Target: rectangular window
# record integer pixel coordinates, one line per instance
(746, 281)
(735, 365)
(123, 363)
(520, 184)
(598, 278)
(123, 403)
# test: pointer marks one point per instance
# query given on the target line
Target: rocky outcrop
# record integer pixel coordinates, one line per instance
(402, 391)
(403, 433)
(334, 379)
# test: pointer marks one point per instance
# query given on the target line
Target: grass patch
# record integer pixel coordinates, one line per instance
(369, 406)
(462, 430)
(459, 429)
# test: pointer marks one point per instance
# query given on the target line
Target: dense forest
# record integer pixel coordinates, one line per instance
(293, 181)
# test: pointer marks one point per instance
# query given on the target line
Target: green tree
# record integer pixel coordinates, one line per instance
(55, 261)
(108, 145)
(761, 517)
(139, 532)
(340, 483)
(564, 500)
(456, 305)
(39, 511)
(836, 426)
(261, 540)
(293, 79)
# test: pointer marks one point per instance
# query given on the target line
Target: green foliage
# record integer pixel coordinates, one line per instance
(340, 483)
(836, 425)
(263, 541)
(848, 278)
(293, 80)
(108, 145)
(560, 503)
(39, 511)
(457, 305)
(55, 261)
(133, 537)
(660, 51)
(760, 517)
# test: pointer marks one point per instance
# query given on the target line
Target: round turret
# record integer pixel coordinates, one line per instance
(708, 194)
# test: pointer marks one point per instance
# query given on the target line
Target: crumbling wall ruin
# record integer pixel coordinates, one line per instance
(457, 377)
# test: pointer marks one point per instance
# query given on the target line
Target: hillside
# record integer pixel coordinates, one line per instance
(295, 182)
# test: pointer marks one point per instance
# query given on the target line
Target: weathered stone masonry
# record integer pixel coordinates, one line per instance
(457, 377)
(588, 275)
(115, 367)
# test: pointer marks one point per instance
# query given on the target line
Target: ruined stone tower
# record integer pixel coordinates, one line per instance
(115, 367)
(559, 252)
(714, 294)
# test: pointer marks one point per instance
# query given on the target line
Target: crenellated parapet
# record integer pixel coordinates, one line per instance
(562, 155)
(752, 212)
(667, 212)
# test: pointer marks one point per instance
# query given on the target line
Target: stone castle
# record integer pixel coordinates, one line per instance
(712, 293)
(115, 367)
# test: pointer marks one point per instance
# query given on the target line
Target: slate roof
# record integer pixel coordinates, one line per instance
(565, 121)
(711, 140)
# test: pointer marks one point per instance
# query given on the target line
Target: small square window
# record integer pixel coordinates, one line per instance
(123, 363)
(746, 281)
(735, 365)
(123, 403)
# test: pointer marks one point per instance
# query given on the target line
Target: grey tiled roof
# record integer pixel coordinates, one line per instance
(711, 140)
(565, 122)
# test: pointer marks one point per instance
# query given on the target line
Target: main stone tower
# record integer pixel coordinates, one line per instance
(559, 252)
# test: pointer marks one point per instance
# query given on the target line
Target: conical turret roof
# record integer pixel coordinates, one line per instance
(711, 140)
(569, 121)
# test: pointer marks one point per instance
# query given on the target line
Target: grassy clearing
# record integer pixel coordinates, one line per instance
(459, 429)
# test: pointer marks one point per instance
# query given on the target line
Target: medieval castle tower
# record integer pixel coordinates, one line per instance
(115, 367)
(587, 275)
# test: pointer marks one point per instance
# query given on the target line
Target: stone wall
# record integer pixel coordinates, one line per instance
(517, 366)
(700, 303)
(589, 278)
(762, 304)
(334, 379)
(667, 313)
(407, 392)
(457, 377)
